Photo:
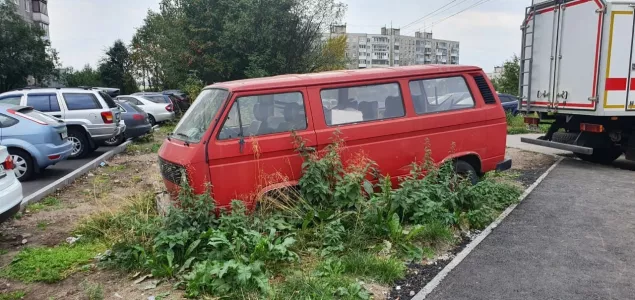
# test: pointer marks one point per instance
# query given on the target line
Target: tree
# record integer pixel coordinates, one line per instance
(333, 54)
(115, 69)
(508, 82)
(84, 77)
(23, 51)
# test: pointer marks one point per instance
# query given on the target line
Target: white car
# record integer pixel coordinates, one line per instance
(10, 187)
(157, 112)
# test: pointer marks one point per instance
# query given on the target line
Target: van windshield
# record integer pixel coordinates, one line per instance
(200, 115)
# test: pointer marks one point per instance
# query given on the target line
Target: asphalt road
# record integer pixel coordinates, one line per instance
(58, 171)
(573, 237)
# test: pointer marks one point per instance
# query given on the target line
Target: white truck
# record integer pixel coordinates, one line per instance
(578, 67)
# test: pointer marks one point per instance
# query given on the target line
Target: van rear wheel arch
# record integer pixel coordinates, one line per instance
(468, 166)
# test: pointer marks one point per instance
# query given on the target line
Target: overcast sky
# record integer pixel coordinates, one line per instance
(489, 33)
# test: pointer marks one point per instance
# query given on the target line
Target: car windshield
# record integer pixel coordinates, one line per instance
(157, 98)
(199, 117)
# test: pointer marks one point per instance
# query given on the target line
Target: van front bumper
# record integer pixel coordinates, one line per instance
(504, 165)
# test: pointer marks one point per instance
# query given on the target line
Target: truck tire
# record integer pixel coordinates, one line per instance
(604, 156)
(599, 156)
(564, 137)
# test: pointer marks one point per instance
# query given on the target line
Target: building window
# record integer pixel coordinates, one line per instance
(27, 6)
(39, 7)
(264, 114)
(363, 103)
(441, 94)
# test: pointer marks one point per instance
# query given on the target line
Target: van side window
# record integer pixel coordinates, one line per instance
(440, 94)
(362, 103)
(264, 114)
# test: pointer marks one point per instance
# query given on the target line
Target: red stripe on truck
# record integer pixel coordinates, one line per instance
(618, 84)
(562, 104)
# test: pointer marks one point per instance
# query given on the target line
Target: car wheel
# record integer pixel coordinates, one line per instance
(23, 164)
(81, 145)
(465, 170)
(152, 120)
(115, 140)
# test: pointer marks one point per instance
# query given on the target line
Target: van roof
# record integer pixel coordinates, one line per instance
(293, 80)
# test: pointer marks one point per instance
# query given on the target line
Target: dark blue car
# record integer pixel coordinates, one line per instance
(510, 103)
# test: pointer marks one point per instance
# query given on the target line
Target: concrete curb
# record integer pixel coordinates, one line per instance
(69, 178)
(478, 239)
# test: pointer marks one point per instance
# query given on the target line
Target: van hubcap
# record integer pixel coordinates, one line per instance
(77, 145)
(19, 166)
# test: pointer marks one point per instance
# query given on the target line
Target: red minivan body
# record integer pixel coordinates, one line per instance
(235, 140)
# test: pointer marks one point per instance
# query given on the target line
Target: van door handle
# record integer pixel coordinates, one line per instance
(241, 144)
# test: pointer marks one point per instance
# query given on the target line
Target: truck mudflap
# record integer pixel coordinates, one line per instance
(556, 145)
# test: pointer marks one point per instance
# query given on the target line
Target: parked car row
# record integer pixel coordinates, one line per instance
(43, 126)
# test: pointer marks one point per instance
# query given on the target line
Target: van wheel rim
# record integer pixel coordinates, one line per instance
(77, 145)
(20, 166)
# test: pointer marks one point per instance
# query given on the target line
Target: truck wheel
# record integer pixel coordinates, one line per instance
(564, 137)
(604, 156)
(465, 170)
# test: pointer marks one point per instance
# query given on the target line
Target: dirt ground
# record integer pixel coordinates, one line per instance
(103, 189)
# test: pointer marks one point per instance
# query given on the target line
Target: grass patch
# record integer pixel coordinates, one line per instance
(50, 264)
(303, 286)
(93, 291)
(114, 169)
(49, 203)
(136, 221)
(368, 265)
(15, 295)
(41, 225)
(516, 125)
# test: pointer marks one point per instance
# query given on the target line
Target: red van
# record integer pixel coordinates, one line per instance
(237, 135)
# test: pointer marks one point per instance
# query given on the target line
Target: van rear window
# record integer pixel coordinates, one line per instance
(440, 94)
(362, 103)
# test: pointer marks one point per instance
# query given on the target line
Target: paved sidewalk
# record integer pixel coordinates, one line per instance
(513, 141)
(573, 237)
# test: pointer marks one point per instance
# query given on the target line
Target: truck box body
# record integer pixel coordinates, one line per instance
(578, 58)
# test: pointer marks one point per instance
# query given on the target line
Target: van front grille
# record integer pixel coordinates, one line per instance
(171, 171)
(485, 90)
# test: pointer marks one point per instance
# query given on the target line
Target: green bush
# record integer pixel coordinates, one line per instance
(358, 229)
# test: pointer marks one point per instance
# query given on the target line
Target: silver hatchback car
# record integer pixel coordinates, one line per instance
(91, 115)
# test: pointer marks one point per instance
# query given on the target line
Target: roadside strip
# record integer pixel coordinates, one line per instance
(69, 178)
(479, 238)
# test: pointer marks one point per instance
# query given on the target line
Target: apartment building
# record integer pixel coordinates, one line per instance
(390, 48)
(33, 11)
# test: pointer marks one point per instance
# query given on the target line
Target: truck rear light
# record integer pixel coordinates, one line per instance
(169, 107)
(8, 163)
(531, 120)
(138, 117)
(591, 127)
(107, 117)
(11, 111)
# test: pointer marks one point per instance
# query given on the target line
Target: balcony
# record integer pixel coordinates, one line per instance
(454, 53)
(40, 18)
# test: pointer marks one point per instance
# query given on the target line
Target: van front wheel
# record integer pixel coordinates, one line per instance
(465, 170)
